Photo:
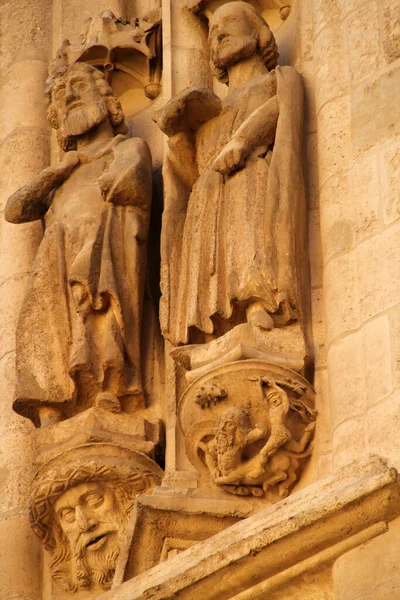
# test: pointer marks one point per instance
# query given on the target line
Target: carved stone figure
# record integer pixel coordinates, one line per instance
(79, 509)
(78, 334)
(233, 434)
(269, 466)
(209, 394)
(232, 245)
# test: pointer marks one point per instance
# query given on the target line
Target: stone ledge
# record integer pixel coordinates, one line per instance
(274, 539)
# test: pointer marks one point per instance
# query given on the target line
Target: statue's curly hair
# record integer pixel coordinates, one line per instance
(58, 76)
(237, 414)
(266, 44)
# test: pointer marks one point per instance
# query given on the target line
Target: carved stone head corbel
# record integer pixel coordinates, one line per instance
(80, 504)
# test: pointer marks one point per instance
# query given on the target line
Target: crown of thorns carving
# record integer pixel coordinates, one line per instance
(129, 480)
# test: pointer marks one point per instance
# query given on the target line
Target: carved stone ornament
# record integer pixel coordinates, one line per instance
(78, 335)
(115, 45)
(80, 504)
(254, 439)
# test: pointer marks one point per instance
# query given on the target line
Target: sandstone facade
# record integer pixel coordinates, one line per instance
(199, 299)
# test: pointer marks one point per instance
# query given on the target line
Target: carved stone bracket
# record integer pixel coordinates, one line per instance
(248, 427)
(254, 558)
(80, 503)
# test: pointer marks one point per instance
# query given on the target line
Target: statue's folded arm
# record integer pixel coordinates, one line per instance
(32, 201)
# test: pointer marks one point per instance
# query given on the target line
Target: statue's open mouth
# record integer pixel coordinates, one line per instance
(97, 542)
(74, 106)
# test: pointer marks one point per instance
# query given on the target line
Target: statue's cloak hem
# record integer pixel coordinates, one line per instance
(282, 231)
(55, 340)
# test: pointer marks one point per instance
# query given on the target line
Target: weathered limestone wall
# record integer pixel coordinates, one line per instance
(357, 75)
(301, 56)
(25, 48)
(370, 571)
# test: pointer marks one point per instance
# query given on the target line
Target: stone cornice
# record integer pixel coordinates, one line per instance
(276, 538)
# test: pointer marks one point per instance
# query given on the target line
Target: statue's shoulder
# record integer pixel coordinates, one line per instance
(131, 145)
(288, 75)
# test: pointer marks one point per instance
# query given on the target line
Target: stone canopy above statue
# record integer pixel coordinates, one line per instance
(122, 50)
(273, 11)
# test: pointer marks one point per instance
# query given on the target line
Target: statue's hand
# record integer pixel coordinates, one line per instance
(232, 157)
(310, 427)
(68, 163)
(105, 182)
(71, 159)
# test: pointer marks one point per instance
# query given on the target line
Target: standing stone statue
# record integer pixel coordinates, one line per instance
(78, 334)
(232, 248)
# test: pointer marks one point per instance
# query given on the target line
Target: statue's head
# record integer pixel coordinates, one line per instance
(231, 427)
(80, 511)
(277, 398)
(78, 99)
(237, 31)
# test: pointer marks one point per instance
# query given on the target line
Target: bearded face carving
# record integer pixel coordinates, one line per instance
(80, 509)
(92, 520)
(231, 39)
(78, 100)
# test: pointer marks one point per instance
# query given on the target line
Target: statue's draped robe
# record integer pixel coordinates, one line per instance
(239, 238)
(79, 327)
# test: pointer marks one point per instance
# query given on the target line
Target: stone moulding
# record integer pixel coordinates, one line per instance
(172, 523)
(359, 499)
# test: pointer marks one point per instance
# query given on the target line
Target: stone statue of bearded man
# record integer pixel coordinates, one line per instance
(78, 334)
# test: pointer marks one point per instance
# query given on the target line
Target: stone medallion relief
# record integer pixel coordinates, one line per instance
(252, 440)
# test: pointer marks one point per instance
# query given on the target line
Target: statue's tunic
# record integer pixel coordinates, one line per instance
(242, 236)
(79, 327)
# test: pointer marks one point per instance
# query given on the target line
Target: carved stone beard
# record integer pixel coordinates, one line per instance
(237, 49)
(83, 119)
(98, 567)
(229, 441)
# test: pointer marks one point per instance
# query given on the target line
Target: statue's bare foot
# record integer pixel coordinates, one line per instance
(258, 316)
(48, 415)
(261, 319)
(238, 490)
(108, 402)
(230, 479)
